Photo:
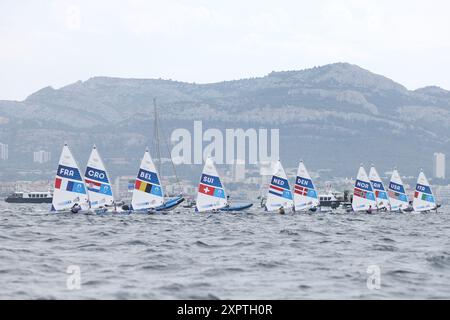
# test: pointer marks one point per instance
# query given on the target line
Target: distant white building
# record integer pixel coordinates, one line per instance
(41, 156)
(3, 151)
(439, 165)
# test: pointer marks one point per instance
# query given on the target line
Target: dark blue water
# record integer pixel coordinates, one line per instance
(184, 255)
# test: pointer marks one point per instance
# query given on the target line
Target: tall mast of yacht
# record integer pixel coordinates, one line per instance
(157, 142)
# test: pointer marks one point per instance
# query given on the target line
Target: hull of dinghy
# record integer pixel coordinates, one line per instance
(237, 207)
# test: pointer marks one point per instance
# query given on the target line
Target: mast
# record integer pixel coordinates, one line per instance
(157, 142)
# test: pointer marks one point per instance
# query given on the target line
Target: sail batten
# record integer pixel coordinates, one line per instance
(363, 195)
(148, 192)
(424, 199)
(279, 193)
(305, 194)
(69, 187)
(211, 194)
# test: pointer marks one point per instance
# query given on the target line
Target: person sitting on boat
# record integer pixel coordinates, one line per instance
(75, 208)
(281, 210)
(228, 202)
(369, 211)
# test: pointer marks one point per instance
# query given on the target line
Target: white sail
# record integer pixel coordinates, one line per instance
(398, 199)
(97, 181)
(69, 185)
(211, 194)
(148, 192)
(363, 196)
(305, 195)
(378, 187)
(279, 193)
(423, 196)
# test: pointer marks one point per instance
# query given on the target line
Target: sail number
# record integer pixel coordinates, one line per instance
(302, 182)
(96, 174)
(362, 185)
(209, 180)
(420, 188)
(377, 185)
(66, 172)
(278, 181)
(395, 187)
(145, 175)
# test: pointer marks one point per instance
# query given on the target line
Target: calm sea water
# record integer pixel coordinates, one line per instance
(255, 255)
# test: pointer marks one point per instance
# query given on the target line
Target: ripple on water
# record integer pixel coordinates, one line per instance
(439, 260)
(289, 232)
(190, 256)
(136, 243)
(384, 247)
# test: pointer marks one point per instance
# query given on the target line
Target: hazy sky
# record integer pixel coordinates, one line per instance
(59, 42)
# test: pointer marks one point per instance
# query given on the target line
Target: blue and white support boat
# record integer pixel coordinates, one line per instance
(70, 194)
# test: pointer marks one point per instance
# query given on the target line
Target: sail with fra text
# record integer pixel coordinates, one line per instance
(69, 185)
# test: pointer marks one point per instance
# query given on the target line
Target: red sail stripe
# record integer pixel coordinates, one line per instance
(276, 188)
(202, 188)
(93, 183)
(137, 184)
(58, 183)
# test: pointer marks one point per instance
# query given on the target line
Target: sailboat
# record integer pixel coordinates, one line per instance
(378, 187)
(423, 196)
(148, 194)
(211, 194)
(70, 192)
(398, 200)
(279, 194)
(98, 184)
(305, 195)
(363, 196)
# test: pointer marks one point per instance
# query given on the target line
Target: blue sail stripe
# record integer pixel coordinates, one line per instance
(68, 172)
(304, 182)
(396, 187)
(96, 175)
(209, 180)
(280, 182)
(424, 189)
(366, 186)
(148, 176)
(377, 185)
